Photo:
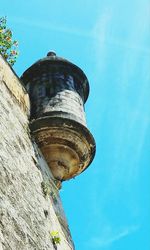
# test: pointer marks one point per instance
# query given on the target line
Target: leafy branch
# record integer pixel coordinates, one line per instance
(8, 46)
(55, 237)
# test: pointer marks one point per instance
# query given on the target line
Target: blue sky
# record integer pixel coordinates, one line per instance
(107, 206)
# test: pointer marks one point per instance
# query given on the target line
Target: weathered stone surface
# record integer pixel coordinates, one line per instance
(27, 214)
(11, 81)
(58, 90)
(66, 146)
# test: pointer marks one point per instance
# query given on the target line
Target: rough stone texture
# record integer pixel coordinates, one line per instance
(27, 216)
(58, 90)
(11, 80)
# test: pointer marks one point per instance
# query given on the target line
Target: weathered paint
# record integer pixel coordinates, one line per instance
(58, 90)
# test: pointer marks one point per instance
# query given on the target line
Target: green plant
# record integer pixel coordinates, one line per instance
(55, 237)
(48, 192)
(46, 188)
(8, 46)
(54, 196)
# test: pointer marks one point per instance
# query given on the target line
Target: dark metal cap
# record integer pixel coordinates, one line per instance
(51, 53)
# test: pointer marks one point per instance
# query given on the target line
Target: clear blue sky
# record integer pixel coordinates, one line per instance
(108, 206)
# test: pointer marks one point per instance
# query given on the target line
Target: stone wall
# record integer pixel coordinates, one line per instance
(30, 206)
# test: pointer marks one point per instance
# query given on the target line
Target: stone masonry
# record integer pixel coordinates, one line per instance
(58, 90)
(30, 206)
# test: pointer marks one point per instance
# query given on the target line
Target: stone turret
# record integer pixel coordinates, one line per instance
(58, 90)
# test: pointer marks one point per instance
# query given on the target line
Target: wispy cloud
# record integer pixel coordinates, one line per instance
(101, 37)
(125, 95)
(130, 36)
(133, 49)
(108, 237)
(49, 26)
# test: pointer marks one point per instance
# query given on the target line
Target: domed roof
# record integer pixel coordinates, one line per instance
(53, 59)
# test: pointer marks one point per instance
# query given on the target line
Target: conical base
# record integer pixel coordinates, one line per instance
(67, 145)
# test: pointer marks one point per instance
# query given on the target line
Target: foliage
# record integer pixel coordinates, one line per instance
(47, 191)
(55, 237)
(8, 46)
(54, 196)
(46, 188)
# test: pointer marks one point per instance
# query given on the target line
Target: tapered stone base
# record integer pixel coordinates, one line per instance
(67, 145)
